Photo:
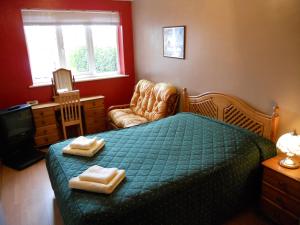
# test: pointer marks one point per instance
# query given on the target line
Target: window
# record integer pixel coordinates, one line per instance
(84, 42)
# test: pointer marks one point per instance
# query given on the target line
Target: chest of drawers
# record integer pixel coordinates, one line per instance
(280, 199)
(47, 131)
(94, 115)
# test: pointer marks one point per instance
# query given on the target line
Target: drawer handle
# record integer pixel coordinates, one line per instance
(279, 201)
(45, 131)
(94, 103)
(46, 139)
(41, 113)
(43, 122)
(282, 185)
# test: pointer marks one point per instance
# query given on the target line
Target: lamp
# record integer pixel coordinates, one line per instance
(290, 144)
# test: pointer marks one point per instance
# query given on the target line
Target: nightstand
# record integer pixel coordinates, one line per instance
(280, 200)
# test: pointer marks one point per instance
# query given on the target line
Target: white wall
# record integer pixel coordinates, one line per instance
(246, 48)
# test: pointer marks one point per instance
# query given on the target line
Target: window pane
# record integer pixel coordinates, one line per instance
(43, 54)
(105, 48)
(75, 48)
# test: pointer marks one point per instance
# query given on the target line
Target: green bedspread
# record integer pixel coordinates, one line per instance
(185, 169)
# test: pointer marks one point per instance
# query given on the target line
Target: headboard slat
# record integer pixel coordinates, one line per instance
(233, 110)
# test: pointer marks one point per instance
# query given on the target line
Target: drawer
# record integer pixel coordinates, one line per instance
(47, 130)
(97, 103)
(95, 129)
(277, 214)
(46, 140)
(94, 122)
(94, 116)
(94, 113)
(281, 199)
(41, 113)
(48, 120)
(283, 183)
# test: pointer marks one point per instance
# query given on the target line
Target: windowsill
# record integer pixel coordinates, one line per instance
(113, 76)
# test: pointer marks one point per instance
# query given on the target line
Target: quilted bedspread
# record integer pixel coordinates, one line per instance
(184, 169)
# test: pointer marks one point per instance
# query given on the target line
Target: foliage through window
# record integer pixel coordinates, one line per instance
(89, 51)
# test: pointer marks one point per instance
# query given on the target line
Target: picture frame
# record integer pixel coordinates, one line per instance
(174, 42)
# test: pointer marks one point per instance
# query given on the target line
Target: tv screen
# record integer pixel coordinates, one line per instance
(16, 125)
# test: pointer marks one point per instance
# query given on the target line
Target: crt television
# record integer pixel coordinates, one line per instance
(16, 127)
(17, 135)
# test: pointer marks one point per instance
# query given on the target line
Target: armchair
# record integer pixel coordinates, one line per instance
(149, 102)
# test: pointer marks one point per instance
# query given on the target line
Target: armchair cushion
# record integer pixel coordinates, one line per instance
(125, 118)
(149, 102)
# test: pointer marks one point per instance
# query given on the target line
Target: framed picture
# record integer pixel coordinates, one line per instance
(174, 42)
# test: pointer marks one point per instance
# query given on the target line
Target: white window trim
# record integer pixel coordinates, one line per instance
(92, 73)
(60, 46)
(90, 47)
(87, 79)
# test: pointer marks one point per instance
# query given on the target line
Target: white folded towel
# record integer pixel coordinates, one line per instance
(89, 153)
(98, 174)
(83, 142)
(76, 183)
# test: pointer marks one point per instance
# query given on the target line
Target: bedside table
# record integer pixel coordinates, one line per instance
(280, 200)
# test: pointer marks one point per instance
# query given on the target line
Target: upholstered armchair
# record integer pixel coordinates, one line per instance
(149, 102)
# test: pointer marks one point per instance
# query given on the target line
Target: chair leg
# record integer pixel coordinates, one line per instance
(65, 133)
(81, 130)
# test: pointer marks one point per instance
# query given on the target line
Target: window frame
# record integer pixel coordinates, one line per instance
(92, 74)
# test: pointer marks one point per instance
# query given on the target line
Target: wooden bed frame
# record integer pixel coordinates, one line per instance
(234, 111)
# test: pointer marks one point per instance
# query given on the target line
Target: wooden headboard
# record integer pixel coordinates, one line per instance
(234, 111)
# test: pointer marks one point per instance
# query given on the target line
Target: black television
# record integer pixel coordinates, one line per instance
(17, 137)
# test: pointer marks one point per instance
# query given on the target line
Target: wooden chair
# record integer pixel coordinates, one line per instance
(70, 110)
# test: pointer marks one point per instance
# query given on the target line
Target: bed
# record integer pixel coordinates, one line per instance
(184, 169)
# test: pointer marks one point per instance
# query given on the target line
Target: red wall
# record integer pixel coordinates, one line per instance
(15, 75)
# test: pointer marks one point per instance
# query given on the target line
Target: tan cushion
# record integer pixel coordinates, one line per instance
(161, 101)
(153, 101)
(125, 118)
(141, 95)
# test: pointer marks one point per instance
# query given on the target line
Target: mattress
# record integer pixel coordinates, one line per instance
(184, 169)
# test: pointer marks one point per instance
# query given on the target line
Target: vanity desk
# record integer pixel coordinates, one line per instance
(48, 129)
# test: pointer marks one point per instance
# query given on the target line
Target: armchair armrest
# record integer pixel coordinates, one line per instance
(111, 124)
(124, 106)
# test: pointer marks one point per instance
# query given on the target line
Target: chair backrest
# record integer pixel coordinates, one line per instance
(154, 101)
(70, 106)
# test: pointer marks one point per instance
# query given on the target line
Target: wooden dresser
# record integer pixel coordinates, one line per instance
(280, 199)
(93, 114)
(47, 125)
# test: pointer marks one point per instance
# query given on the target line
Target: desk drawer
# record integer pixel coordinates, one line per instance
(41, 113)
(281, 199)
(97, 103)
(46, 140)
(95, 122)
(48, 120)
(94, 113)
(95, 128)
(47, 130)
(277, 214)
(283, 183)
